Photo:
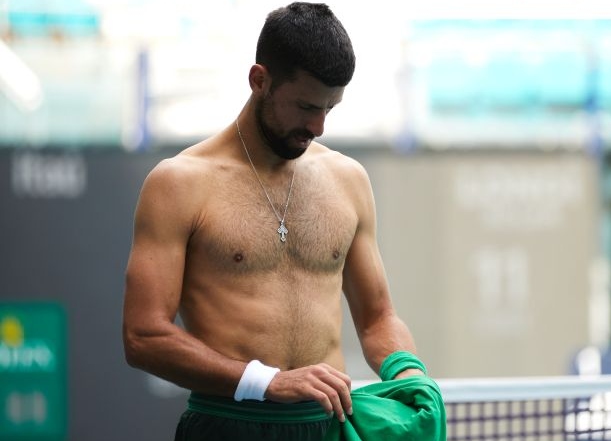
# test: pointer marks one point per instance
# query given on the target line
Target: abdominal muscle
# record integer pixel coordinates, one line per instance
(286, 322)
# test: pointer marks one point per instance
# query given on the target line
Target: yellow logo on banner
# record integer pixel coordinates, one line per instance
(11, 332)
(20, 354)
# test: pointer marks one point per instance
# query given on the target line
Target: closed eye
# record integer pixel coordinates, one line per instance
(313, 108)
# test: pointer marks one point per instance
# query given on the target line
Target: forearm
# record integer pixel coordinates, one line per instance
(173, 354)
(385, 336)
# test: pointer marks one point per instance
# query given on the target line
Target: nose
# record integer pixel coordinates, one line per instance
(316, 123)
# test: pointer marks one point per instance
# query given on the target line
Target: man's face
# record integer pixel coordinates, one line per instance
(291, 116)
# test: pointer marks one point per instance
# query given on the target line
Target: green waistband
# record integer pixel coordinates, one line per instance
(259, 411)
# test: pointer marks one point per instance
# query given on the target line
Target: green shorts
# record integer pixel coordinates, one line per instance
(224, 419)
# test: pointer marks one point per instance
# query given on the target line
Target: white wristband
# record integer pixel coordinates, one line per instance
(254, 381)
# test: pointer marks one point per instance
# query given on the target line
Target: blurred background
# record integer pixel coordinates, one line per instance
(486, 132)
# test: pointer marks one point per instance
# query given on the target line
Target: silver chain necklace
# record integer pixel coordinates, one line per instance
(282, 230)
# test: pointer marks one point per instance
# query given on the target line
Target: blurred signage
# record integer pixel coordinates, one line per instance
(33, 386)
(48, 175)
(509, 83)
(75, 18)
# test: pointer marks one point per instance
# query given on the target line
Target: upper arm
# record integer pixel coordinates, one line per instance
(364, 280)
(162, 226)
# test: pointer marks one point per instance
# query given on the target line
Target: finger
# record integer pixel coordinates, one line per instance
(338, 394)
(332, 402)
(342, 385)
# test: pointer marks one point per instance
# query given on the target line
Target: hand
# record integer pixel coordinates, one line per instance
(320, 382)
(408, 373)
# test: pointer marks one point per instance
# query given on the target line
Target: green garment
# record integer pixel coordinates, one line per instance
(224, 419)
(408, 409)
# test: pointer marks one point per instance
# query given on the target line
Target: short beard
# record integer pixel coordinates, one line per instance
(278, 144)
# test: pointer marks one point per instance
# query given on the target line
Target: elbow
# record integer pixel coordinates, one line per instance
(141, 344)
(133, 348)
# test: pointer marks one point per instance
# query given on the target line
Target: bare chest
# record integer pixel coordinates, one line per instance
(241, 233)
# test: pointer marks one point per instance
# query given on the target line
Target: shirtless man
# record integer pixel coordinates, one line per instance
(252, 236)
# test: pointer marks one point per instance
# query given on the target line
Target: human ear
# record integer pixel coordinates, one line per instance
(259, 79)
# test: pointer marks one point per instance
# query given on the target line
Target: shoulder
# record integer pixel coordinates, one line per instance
(346, 171)
(182, 164)
(178, 185)
(170, 173)
(183, 171)
(338, 163)
(345, 175)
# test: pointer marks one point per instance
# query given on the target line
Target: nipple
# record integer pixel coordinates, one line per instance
(238, 257)
(336, 254)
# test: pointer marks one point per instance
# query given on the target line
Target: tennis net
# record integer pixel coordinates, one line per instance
(528, 409)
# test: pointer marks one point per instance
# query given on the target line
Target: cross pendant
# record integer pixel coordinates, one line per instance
(282, 231)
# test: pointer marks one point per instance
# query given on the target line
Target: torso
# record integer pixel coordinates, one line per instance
(245, 293)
